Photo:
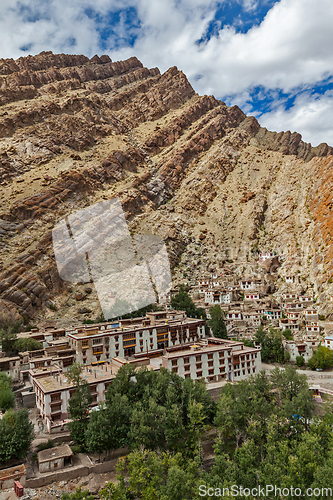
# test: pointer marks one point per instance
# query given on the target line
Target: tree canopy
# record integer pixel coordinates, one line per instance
(16, 434)
(264, 436)
(322, 358)
(79, 404)
(183, 302)
(7, 397)
(217, 323)
(154, 410)
(271, 345)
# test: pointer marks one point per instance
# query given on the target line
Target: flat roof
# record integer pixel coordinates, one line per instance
(120, 330)
(44, 358)
(63, 451)
(51, 383)
(61, 341)
(9, 358)
(203, 349)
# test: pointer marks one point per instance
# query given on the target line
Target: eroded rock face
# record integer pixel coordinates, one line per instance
(205, 177)
(9, 315)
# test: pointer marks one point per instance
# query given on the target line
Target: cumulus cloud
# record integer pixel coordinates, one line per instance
(289, 50)
(311, 113)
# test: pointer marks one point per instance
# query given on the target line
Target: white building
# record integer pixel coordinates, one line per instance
(298, 349)
(137, 337)
(234, 315)
(213, 360)
(265, 256)
(313, 327)
(289, 296)
(311, 315)
(248, 284)
(249, 296)
(219, 297)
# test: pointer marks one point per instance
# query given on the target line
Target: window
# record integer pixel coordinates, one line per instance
(222, 369)
(174, 362)
(210, 356)
(199, 374)
(56, 407)
(198, 358)
(97, 341)
(210, 363)
(175, 369)
(211, 372)
(55, 397)
(199, 366)
(186, 368)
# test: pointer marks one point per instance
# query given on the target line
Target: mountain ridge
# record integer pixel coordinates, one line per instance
(204, 176)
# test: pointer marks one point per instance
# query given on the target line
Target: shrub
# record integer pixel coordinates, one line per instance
(46, 445)
(300, 361)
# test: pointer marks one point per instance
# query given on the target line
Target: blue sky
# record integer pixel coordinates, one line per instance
(272, 58)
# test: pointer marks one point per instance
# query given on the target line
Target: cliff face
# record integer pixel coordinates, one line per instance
(207, 178)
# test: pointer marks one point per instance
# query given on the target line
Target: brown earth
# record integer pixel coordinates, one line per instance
(208, 179)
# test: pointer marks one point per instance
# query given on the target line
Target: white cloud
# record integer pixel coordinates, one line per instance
(311, 114)
(291, 48)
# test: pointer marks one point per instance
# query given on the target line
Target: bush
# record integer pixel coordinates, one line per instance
(287, 333)
(26, 344)
(287, 356)
(7, 399)
(78, 495)
(76, 449)
(46, 445)
(300, 361)
(322, 358)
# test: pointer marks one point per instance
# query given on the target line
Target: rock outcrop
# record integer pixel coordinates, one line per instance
(209, 180)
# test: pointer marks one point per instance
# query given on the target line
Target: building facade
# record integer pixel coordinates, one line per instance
(213, 360)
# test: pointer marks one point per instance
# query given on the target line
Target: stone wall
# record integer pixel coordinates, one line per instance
(74, 472)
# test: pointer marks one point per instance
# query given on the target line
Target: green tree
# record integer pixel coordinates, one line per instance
(154, 476)
(79, 404)
(26, 344)
(196, 428)
(108, 428)
(7, 397)
(217, 322)
(300, 361)
(7, 338)
(16, 434)
(292, 392)
(78, 495)
(183, 302)
(287, 333)
(322, 358)
(248, 343)
(271, 345)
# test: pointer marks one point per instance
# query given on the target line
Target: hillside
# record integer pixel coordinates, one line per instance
(203, 176)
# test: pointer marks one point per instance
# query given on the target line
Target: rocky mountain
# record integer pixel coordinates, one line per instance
(205, 177)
